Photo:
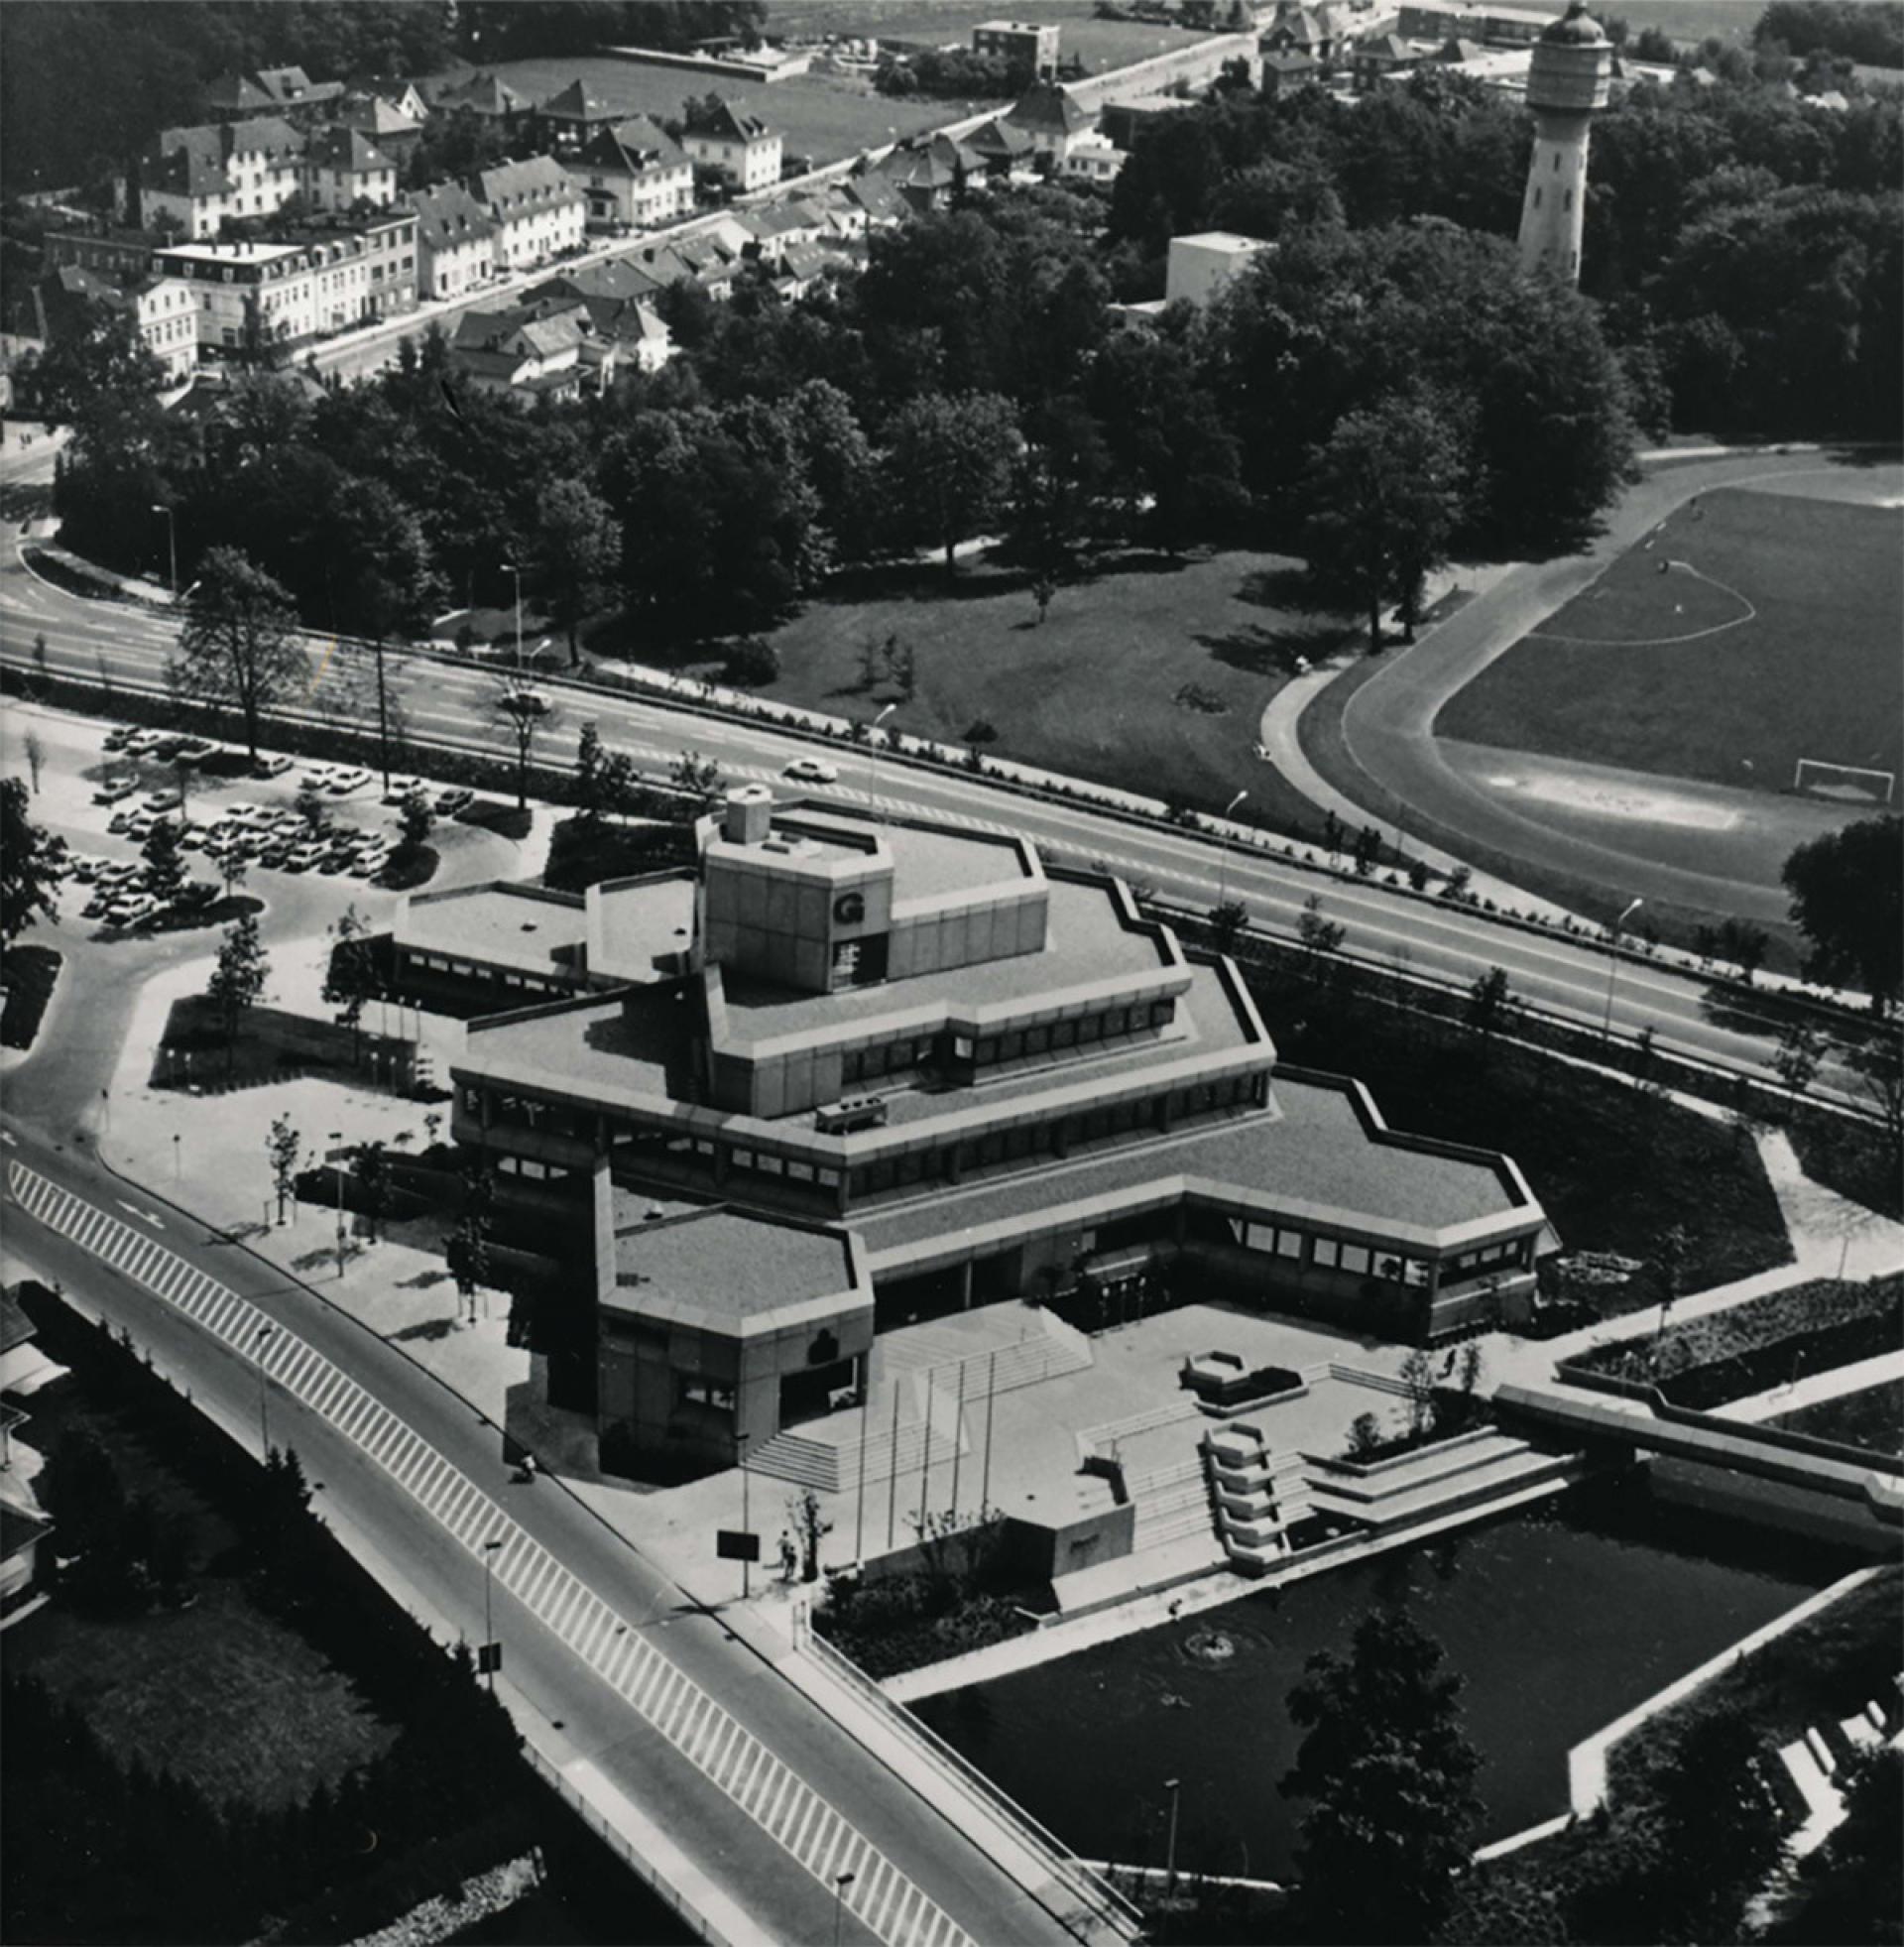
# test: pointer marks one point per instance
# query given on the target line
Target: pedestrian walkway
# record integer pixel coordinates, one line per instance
(881, 1898)
(1815, 1389)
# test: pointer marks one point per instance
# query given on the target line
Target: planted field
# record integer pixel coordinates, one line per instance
(1152, 676)
(1746, 631)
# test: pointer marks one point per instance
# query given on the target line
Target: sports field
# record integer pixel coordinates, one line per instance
(1747, 631)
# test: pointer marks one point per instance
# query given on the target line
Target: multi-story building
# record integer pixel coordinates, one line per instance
(455, 241)
(248, 294)
(566, 123)
(743, 145)
(286, 91)
(162, 308)
(122, 255)
(1054, 118)
(849, 1074)
(387, 123)
(538, 212)
(1199, 267)
(191, 179)
(386, 242)
(1031, 51)
(343, 168)
(635, 177)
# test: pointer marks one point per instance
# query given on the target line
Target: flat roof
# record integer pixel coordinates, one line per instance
(232, 253)
(1311, 1152)
(929, 863)
(500, 924)
(726, 1265)
(636, 923)
(639, 1038)
(1087, 941)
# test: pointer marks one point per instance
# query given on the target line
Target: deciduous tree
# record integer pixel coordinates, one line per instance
(579, 547)
(1847, 900)
(949, 463)
(237, 646)
(30, 869)
(238, 979)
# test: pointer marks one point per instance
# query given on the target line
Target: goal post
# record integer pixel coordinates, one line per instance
(1845, 783)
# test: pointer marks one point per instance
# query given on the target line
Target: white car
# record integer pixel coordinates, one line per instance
(114, 789)
(269, 766)
(305, 858)
(343, 783)
(812, 771)
(400, 788)
(141, 741)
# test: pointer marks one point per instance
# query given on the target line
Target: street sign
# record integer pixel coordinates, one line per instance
(489, 1657)
(736, 1544)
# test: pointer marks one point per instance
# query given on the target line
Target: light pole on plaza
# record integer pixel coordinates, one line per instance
(1172, 1786)
(263, 1333)
(489, 1626)
(841, 1881)
(1223, 852)
(747, 1580)
(1613, 968)
(510, 567)
(873, 762)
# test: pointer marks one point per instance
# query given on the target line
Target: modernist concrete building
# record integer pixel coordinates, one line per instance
(1030, 48)
(916, 1069)
(1200, 266)
(1567, 84)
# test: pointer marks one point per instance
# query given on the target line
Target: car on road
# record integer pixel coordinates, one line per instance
(523, 702)
(114, 789)
(812, 771)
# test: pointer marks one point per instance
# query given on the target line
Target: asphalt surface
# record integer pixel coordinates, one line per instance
(560, 1656)
(113, 641)
(1388, 725)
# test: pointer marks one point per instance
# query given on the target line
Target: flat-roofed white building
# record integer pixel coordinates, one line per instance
(1200, 266)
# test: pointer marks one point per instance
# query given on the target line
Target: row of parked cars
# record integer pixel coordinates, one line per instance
(285, 840)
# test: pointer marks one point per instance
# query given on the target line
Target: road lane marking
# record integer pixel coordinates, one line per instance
(696, 1723)
(141, 1212)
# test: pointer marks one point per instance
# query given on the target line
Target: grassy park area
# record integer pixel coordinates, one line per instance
(1771, 636)
(1872, 1418)
(1153, 675)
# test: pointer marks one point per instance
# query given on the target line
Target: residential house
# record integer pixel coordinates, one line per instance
(386, 242)
(22, 1531)
(1092, 158)
(874, 200)
(107, 250)
(531, 351)
(1283, 71)
(193, 178)
(482, 95)
(455, 241)
(391, 127)
(1380, 58)
(539, 210)
(1053, 117)
(1200, 266)
(741, 144)
(635, 175)
(929, 174)
(286, 91)
(770, 230)
(406, 98)
(1004, 150)
(1302, 30)
(804, 265)
(343, 168)
(618, 297)
(566, 123)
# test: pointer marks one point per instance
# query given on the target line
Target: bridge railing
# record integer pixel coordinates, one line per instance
(1084, 1884)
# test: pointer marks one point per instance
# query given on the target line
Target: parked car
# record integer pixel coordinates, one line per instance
(114, 789)
(142, 742)
(343, 783)
(164, 801)
(116, 737)
(304, 857)
(813, 770)
(269, 766)
(452, 803)
(121, 821)
(273, 852)
(400, 788)
(194, 750)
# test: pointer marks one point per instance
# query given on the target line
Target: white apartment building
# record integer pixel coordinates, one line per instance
(538, 212)
(635, 177)
(744, 144)
(194, 178)
(234, 283)
(344, 167)
(455, 241)
(167, 313)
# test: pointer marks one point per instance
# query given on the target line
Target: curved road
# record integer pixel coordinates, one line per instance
(1394, 757)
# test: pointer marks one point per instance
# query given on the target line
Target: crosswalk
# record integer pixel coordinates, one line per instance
(765, 1786)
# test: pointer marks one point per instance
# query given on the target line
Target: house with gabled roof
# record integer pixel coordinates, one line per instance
(343, 166)
(455, 241)
(286, 91)
(1004, 149)
(721, 136)
(538, 212)
(1052, 117)
(193, 178)
(549, 348)
(571, 119)
(387, 123)
(481, 93)
(635, 175)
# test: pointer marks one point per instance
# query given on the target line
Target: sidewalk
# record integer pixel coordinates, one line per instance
(1815, 1389)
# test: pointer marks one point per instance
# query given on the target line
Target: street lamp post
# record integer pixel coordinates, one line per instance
(172, 535)
(1612, 969)
(747, 1525)
(1171, 1785)
(841, 1881)
(337, 1168)
(263, 1333)
(489, 1628)
(873, 762)
(1223, 852)
(178, 1159)
(510, 567)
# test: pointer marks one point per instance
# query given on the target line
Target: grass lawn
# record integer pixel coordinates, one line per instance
(1794, 603)
(1872, 1418)
(581, 855)
(822, 116)
(1152, 676)
(220, 1693)
(32, 973)
(272, 1046)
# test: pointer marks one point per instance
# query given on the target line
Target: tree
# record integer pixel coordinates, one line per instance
(695, 776)
(949, 463)
(351, 978)
(578, 544)
(810, 1529)
(521, 713)
(30, 868)
(238, 980)
(1419, 1376)
(1387, 494)
(467, 1250)
(1227, 922)
(1800, 1047)
(161, 863)
(1389, 1779)
(237, 646)
(314, 808)
(370, 1166)
(1319, 937)
(105, 364)
(282, 1148)
(415, 820)
(591, 765)
(1880, 1067)
(1367, 850)
(231, 866)
(1846, 901)
(1490, 1004)
(1744, 945)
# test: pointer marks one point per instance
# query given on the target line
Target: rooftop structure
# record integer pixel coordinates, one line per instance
(982, 1072)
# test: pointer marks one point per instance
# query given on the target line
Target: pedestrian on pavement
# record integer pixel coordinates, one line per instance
(790, 1557)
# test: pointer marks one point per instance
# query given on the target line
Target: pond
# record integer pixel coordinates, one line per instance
(1558, 1621)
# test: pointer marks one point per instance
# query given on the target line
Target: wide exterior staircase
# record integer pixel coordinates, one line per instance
(1471, 1468)
(940, 1379)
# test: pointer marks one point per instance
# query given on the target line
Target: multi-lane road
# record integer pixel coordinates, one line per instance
(454, 705)
(679, 1708)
